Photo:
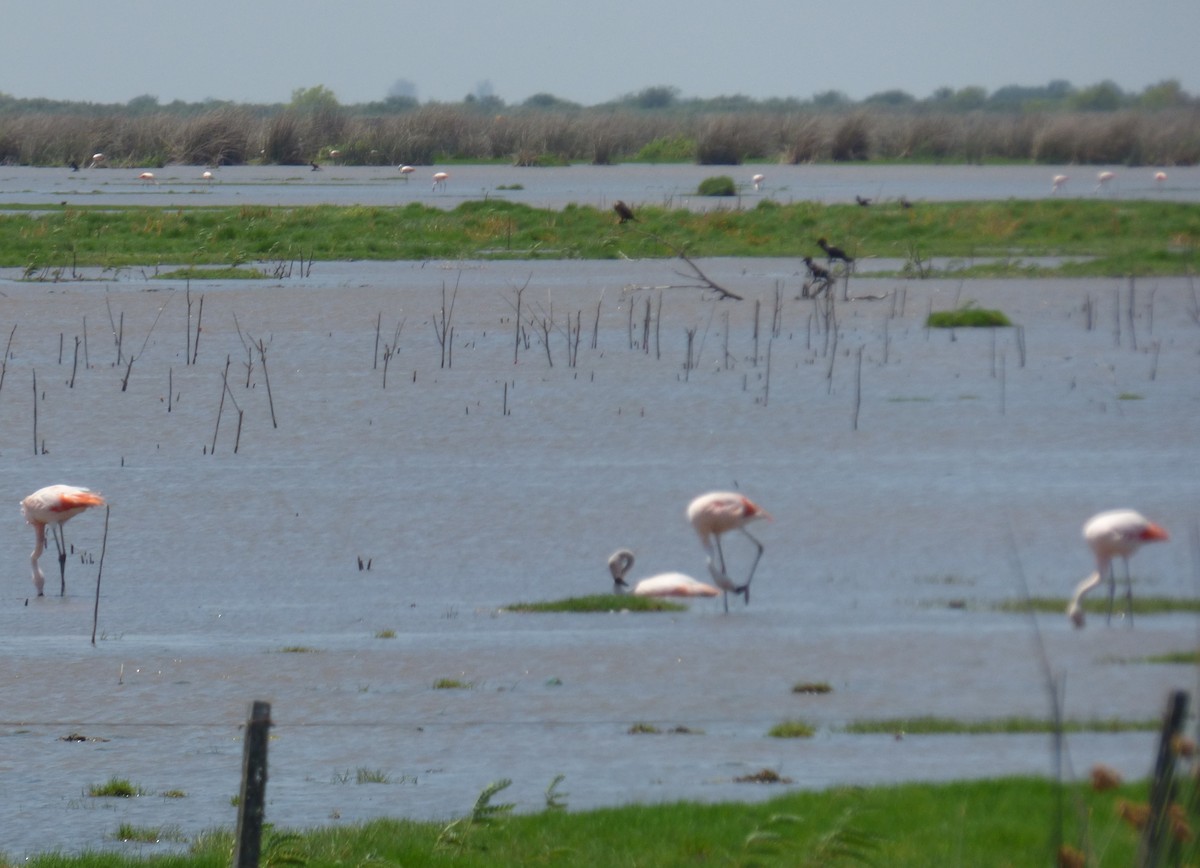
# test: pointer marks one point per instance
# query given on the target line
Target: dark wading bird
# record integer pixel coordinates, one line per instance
(719, 512)
(54, 505)
(817, 272)
(834, 252)
(1111, 535)
(661, 585)
(861, 201)
(624, 212)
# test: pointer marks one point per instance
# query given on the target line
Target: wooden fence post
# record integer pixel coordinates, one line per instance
(1162, 788)
(248, 839)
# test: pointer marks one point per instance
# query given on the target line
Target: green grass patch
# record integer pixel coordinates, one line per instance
(1189, 658)
(1098, 605)
(967, 317)
(792, 729)
(230, 273)
(148, 834)
(297, 649)
(1107, 238)
(644, 729)
(601, 603)
(115, 787)
(990, 823)
(452, 684)
(1130, 396)
(999, 726)
(718, 185)
(817, 687)
(385, 634)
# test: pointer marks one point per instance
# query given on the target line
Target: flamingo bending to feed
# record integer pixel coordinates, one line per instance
(54, 505)
(1057, 182)
(661, 585)
(1160, 177)
(440, 179)
(1115, 534)
(1103, 179)
(719, 512)
(147, 178)
(405, 171)
(757, 181)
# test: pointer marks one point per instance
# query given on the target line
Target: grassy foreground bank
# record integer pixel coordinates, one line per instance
(1005, 822)
(1119, 238)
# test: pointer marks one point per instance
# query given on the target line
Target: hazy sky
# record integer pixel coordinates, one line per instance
(588, 52)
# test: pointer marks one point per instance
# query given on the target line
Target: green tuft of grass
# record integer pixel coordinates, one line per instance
(148, 834)
(718, 185)
(174, 794)
(601, 603)
(792, 729)
(967, 316)
(1000, 726)
(644, 729)
(452, 684)
(812, 687)
(385, 634)
(371, 776)
(297, 649)
(1130, 396)
(115, 787)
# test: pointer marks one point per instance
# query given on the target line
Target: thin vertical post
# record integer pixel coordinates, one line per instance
(248, 843)
(1162, 787)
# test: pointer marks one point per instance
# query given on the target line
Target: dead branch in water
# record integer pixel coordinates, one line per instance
(697, 273)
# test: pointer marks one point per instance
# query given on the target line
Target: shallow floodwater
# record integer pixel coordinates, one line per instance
(234, 576)
(669, 185)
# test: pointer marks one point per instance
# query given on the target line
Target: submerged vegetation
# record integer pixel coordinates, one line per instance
(1113, 238)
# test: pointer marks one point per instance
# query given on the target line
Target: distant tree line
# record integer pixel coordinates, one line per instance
(1055, 123)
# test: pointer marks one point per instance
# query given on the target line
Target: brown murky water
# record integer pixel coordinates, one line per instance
(233, 577)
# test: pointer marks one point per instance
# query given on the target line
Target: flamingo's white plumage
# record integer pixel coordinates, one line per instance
(1111, 535)
(54, 505)
(661, 585)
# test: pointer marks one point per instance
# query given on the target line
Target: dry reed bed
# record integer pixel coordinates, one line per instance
(435, 133)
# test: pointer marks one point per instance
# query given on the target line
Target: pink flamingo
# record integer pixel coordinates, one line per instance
(440, 179)
(1057, 182)
(757, 181)
(207, 176)
(1160, 177)
(147, 178)
(405, 171)
(54, 505)
(719, 512)
(97, 160)
(1103, 179)
(1114, 534)
(661, 585)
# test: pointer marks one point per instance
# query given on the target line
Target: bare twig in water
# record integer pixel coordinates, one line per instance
(99, 571)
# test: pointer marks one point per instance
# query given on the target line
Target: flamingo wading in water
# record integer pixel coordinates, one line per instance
(719, 512)
(1115, 534)
(661, 585)
(54, 505)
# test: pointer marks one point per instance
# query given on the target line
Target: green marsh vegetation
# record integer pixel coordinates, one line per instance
(996, 822)
(601, 603)
(1115, 238)
(1099, 605)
